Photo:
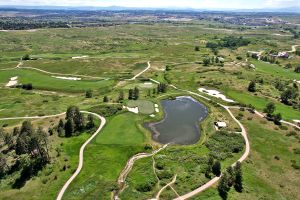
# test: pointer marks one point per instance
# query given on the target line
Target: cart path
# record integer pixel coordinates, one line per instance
(216, 179)
(129, 165)
(163, 188)
(136, 76)
(81, 158)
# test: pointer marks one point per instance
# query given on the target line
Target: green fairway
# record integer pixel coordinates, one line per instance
(122, 129)
(106, 157)
(46, 82)
(287, 112)
(275, 70)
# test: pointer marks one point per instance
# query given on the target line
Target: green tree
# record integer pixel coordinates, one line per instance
(277, 119)
(238, 185)
(69, 127)
(105, 99)
(130, 94)
(223, 187)
(216, 168)
(26, 57)
(197, 48)
(136, 93)
(9, 140)
(252, 86)
(90, 121)
(121, 96)
(288, 94)
(270, 109)
(61, 124)
(26, 128)
(210, 163)
(89, 94)
(16, 131)
(289, 65)
(206, 61)
(231, 176)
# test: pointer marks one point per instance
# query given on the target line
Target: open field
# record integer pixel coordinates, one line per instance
(106, 157)
(264, 175)
(181, 54)
(46, 82)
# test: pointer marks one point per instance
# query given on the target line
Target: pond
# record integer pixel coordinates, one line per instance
(181, 121)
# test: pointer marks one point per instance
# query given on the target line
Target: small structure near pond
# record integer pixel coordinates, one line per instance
(220, 125)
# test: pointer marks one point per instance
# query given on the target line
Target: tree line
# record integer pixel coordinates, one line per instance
(27, 149)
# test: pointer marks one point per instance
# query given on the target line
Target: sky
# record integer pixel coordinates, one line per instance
(209, 4)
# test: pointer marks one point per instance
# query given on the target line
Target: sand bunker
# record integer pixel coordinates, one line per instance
(79, 57)
(133, 110)
(215, 93)
(68, 78)
(13, 82)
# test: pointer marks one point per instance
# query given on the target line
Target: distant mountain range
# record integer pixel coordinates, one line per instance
(119, 8)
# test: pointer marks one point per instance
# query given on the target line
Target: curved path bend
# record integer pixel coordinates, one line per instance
(123, 175)
(216, 179)
(136, 76)
(80, 165)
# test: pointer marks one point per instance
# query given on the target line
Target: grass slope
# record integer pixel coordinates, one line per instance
(106, 157)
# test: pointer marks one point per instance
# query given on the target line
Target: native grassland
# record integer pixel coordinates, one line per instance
(118, 53)
(272, 170)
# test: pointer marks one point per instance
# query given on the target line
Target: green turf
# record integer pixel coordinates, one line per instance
(264, 176)
(106, 157)
(287, 112)
(145, 106)
(275, 70)
(46, 82)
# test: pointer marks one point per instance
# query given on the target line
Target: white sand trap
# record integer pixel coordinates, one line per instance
(79, 57)
(155, 105)
(152, 115)
(296, 121)
(13, 82)
(215, 93)
(157, 110)
(148, 83)
(68, 78)
(133, 110)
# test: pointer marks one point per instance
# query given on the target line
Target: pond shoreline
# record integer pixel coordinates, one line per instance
(186, 114)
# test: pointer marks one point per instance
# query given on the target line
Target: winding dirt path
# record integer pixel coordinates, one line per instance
(294, 49)
(123, 175)
(136, 76)
(163, 188)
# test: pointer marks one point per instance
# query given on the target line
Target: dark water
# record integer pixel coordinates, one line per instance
(181, 122)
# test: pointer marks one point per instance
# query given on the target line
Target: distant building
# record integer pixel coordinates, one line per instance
(283, 55)
(220, 125)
